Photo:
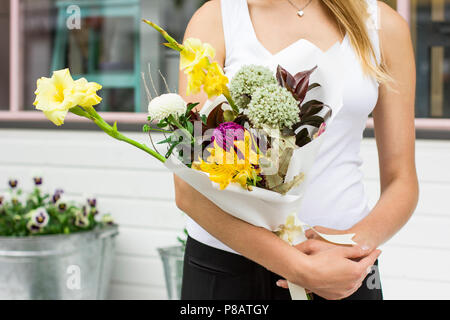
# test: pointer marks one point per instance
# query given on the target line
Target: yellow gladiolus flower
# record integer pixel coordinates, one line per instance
(215, 82)
(55, 96)
(196, 78)
(194, 53)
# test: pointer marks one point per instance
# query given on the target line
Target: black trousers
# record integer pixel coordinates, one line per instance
(214, 274)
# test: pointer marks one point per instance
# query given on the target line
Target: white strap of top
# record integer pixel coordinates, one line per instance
(233, 21)
(373, 8)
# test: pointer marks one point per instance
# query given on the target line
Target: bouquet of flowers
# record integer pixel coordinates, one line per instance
(39, 213)
(249, 149)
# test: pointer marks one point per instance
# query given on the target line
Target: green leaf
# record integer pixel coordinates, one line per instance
(146, 128)
(168, 140)
(191, 106)
(115, 127)
(190, 127)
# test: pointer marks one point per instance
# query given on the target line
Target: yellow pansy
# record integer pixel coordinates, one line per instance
(215, 82)
(194, 53)
(55, 96)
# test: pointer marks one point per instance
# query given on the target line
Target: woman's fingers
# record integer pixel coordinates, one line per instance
(284, 284)
(314, 246)
(310, 234)
(354, 252)
(369, 261)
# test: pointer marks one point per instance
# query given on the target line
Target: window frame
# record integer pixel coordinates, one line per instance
(22, 118)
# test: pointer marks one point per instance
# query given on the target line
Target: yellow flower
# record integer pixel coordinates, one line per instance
(196, 78)
(195, 60)
(215, 82)
(225, 167)
(195, 53)
(87, 92)
(55, 96)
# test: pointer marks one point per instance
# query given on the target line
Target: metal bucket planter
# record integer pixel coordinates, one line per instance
(172, 258)
(75, 266)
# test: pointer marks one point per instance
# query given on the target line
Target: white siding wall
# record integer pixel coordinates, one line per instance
(138, 192)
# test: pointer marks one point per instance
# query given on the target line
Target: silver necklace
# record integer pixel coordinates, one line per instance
(300, 11)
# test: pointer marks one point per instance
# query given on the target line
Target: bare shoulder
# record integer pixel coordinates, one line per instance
(394, 31)
(206, 25)
(393, 26)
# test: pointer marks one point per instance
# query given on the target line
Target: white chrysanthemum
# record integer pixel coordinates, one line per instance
(166, 105)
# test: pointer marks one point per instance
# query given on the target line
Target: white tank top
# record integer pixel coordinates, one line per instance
(335, 197)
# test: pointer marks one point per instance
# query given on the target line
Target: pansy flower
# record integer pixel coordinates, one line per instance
(92, 202)
(39, 219)
(13, 183)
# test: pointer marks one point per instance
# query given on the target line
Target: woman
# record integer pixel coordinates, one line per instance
(227, 258)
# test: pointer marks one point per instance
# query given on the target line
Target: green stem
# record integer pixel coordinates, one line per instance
(174, 44)
(160, 130)
(179, 126)
(227, 95)
(114, 133)
(80, 112)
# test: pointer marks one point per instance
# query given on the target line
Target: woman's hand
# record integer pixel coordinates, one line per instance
(363, 240)
(332, 271)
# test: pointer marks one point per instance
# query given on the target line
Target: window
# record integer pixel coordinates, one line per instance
(102, 40)
(430, 28)
(105, 41)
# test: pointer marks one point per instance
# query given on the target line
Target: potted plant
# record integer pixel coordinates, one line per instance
(173, 259)
(52, 248)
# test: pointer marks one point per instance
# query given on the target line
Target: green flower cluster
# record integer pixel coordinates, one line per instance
(246, 81)
(274, 106)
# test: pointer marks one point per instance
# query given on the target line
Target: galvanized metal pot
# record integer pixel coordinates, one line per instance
(75, 266)
(172, 258)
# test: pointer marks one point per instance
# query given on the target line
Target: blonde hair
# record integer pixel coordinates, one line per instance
(352, 17)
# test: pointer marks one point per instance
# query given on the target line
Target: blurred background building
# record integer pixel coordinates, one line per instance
(113, 47)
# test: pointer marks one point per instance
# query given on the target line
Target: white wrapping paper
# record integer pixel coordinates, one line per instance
(264, 208)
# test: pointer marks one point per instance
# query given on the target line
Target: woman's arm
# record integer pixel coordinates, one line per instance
(395, 136)
(332, 275)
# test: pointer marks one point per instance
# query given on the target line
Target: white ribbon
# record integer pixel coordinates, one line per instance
(293, 232)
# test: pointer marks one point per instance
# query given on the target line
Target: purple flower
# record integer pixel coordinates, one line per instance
(37, 181)
(13, 183)
(92, 202)
(39, 219)
(57, 195)
(62, 206)
(226, 134)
